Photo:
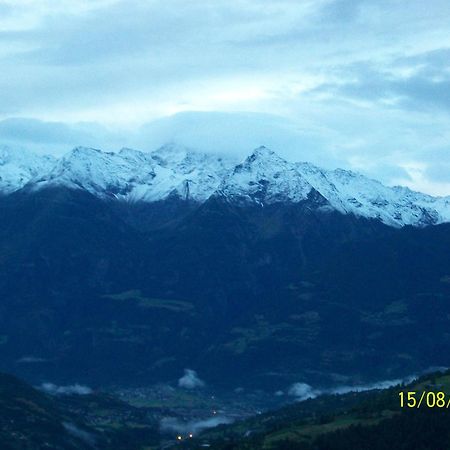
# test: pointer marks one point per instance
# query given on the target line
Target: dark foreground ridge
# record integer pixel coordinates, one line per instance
(370, 420)
(373, 420)
(33, 420)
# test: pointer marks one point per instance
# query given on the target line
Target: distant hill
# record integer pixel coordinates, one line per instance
(30, 419)
(33, 420)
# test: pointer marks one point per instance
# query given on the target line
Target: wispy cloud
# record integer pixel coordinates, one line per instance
(73, 389)
(192, 426)
(190, 380)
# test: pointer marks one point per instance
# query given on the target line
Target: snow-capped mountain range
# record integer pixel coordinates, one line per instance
(262, 178)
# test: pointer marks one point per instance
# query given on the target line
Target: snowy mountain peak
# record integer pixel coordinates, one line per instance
(132, 154)
(18, 166)
(262, 156)
(192, 174)
(351, 192)
(262, 178)
(173, 153)
(20, 156)
(85, 151)
(263, 152)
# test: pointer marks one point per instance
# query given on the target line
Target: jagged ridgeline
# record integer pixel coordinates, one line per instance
(129, 267)
(174, 171)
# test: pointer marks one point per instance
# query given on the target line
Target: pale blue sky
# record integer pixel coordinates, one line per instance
(361, 84)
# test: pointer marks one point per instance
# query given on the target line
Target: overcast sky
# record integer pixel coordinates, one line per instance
(361, 84)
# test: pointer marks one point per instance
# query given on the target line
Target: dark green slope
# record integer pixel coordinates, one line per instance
(369, 420)
(243, 294)
(33, 420)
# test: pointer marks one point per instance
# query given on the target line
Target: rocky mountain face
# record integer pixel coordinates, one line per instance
(174, 171)
(19, 166)
(128, 268)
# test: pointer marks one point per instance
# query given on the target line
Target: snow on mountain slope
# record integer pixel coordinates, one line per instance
(262, 178)
(319, 179)
(350, 192)
(372, 199)
(103, 174)
(189, 173)
(19, 166)
(133, 175)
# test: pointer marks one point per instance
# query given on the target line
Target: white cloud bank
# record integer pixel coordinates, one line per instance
(359, 84)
